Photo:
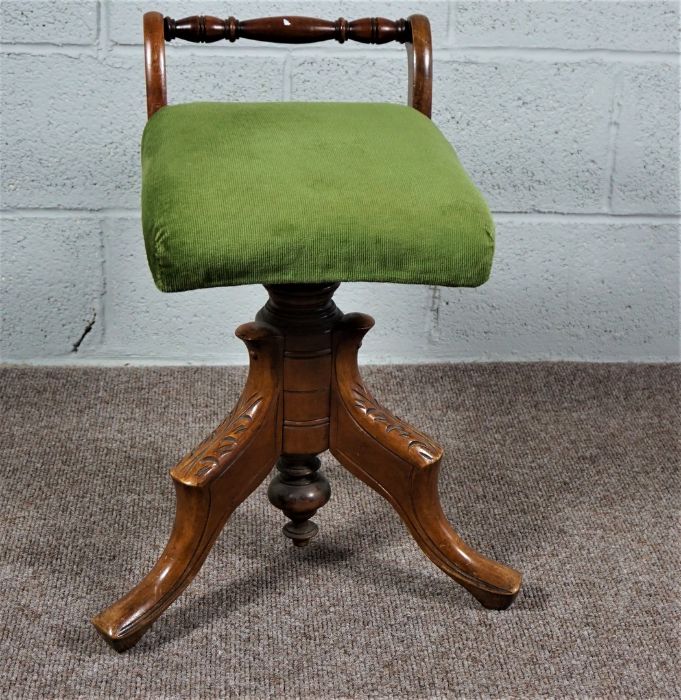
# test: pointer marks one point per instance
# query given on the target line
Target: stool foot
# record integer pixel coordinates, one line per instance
(299, 490)
(402, 465)
(210, 483)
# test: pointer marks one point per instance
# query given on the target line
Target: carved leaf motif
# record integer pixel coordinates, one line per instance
(414, 440)
(217, 447)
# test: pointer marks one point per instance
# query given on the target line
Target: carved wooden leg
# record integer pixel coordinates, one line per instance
(402, 465)
(210, 483)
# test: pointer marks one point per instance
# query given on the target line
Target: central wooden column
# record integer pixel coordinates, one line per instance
(305, 314)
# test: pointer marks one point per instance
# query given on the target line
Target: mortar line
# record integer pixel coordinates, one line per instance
(466, 53)
(449, 28)
(98, 20)
(433, 325)
(104, 43)
(588, 217)
(287, 87)
(104, 295)
(545, 216)
(441, 52)
(264, 49)
(45, 49)
(62, 213)
(615, 111)
(561, 54)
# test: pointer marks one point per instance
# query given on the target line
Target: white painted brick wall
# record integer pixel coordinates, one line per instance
(626, 25)
(566, 113)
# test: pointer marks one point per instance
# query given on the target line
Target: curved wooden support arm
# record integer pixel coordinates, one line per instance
(155, 62)
(402, 465)
(210, 483)
(414, 32)
(420, 65)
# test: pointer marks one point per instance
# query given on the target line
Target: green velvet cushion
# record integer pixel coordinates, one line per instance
(307, 192)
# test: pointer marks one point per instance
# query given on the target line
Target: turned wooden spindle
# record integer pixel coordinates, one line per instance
(287, 30)
(306, 315)
(414, 33)
(299, 490)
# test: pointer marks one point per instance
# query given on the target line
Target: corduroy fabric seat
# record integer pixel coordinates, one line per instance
(307, 192)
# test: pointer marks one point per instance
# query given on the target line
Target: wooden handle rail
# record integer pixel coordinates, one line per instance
(414, 32)
(287, 30)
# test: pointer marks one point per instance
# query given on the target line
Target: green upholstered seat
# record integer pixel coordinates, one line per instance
(307, 192)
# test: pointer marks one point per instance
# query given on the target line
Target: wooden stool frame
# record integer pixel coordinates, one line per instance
(304, 393)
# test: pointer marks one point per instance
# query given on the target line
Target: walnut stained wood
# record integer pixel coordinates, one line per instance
(414, 32)
(210, 483)
(304, 393)
(286, 30)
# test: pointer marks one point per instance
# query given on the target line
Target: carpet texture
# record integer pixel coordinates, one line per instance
(569, 473)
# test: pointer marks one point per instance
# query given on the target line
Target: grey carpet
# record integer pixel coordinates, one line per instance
(569, 473)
